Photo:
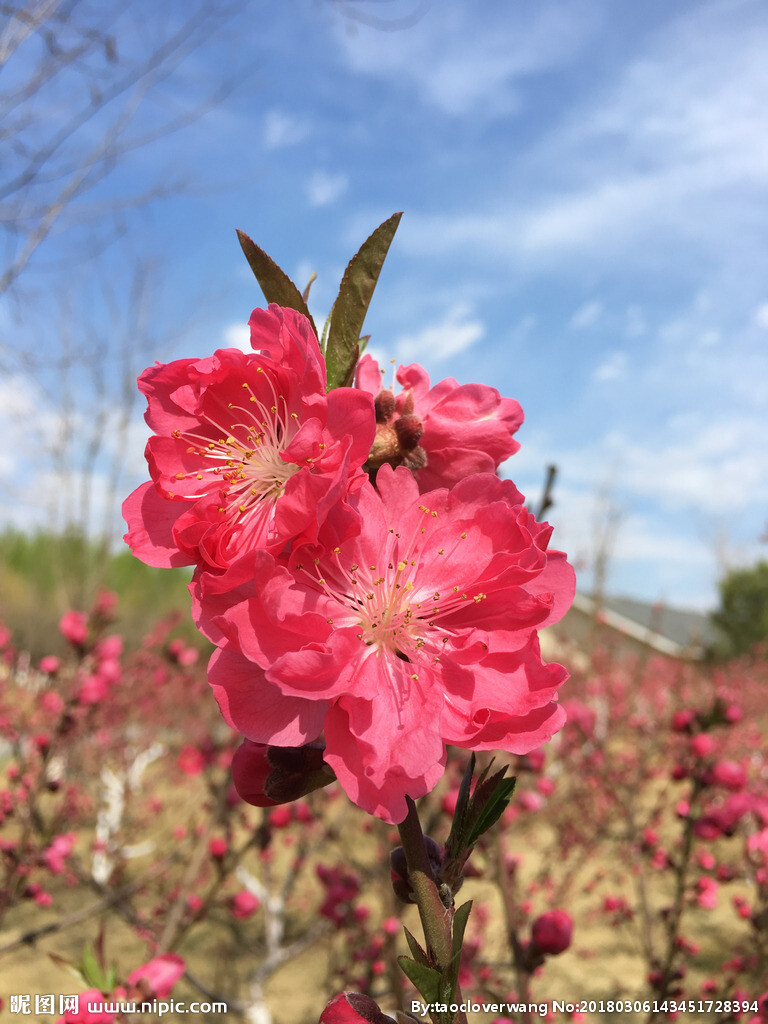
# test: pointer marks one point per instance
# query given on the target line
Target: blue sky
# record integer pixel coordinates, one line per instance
(584, 186)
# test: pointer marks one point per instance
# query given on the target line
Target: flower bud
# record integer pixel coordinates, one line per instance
(384, 405)
(729, 775)
(399, 868)
(409, 430)
(682, 721)
(702, 745)
(244, 904)
(159, 975)
(73, 626)
(268, 775)
(551, 932)
(353, 1008)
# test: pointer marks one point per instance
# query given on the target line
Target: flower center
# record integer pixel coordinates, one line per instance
(390, 600)
(242, 459)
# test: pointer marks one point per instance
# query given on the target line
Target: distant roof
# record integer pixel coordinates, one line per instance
(682, 626)
(673, 631)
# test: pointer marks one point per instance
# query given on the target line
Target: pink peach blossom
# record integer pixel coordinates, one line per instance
(73, 626)
(729, 775)
(444, 433)
(160, 974)
(248, 450)
(244, 904)
(418, 632)
(57, 853)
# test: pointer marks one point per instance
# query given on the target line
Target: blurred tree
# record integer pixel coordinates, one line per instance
(743, 614)
(84, 84)
(89, 90)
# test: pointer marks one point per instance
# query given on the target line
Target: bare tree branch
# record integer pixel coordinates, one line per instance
(76, 104)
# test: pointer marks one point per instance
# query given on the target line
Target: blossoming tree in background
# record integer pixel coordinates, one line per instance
(373, 589)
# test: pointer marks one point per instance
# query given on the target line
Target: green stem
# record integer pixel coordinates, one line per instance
(436, 920)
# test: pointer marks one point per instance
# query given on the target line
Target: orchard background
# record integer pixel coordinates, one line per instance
(585, 230)
(123, 839)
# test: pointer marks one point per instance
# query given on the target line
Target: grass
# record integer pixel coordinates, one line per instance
(43, 574)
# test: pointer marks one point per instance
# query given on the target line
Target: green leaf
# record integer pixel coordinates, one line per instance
(428, 982)
(274, 282)
(451, 979)
(417, 952)
(455, 843)
(460, 919)
(91, 970)
(352, 303)
(494, 809)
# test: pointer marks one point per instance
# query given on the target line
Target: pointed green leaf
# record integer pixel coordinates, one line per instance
(460, 919)
(274, 282)
(418, 954)
(494, 809)
(428, 982)
(455, 843)
(91, 969)
(352, 303)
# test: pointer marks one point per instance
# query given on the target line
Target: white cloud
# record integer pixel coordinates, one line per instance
(322, 189)
(710, 338)
(281, 130)
(238, 336)
(469, 58)
(671, 152)
(613, 368)
(457, 331)
(586, 315)
(635, 326)
(761, 316)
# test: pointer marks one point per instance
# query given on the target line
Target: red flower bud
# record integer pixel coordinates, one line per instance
(353, 1008)
(681, 721)
(409, 430)
(267, 775)
(73, 626)
(702, 745)
(551, 932)
(384, 404)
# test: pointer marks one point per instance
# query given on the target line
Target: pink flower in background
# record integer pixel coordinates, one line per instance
(551, 932)
(444, 433)
(190, 760)
(418, 632)
(85, 1016)
(160, 974)
(244, 904)
(249, 451)
(73, 626)
(56, 854)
